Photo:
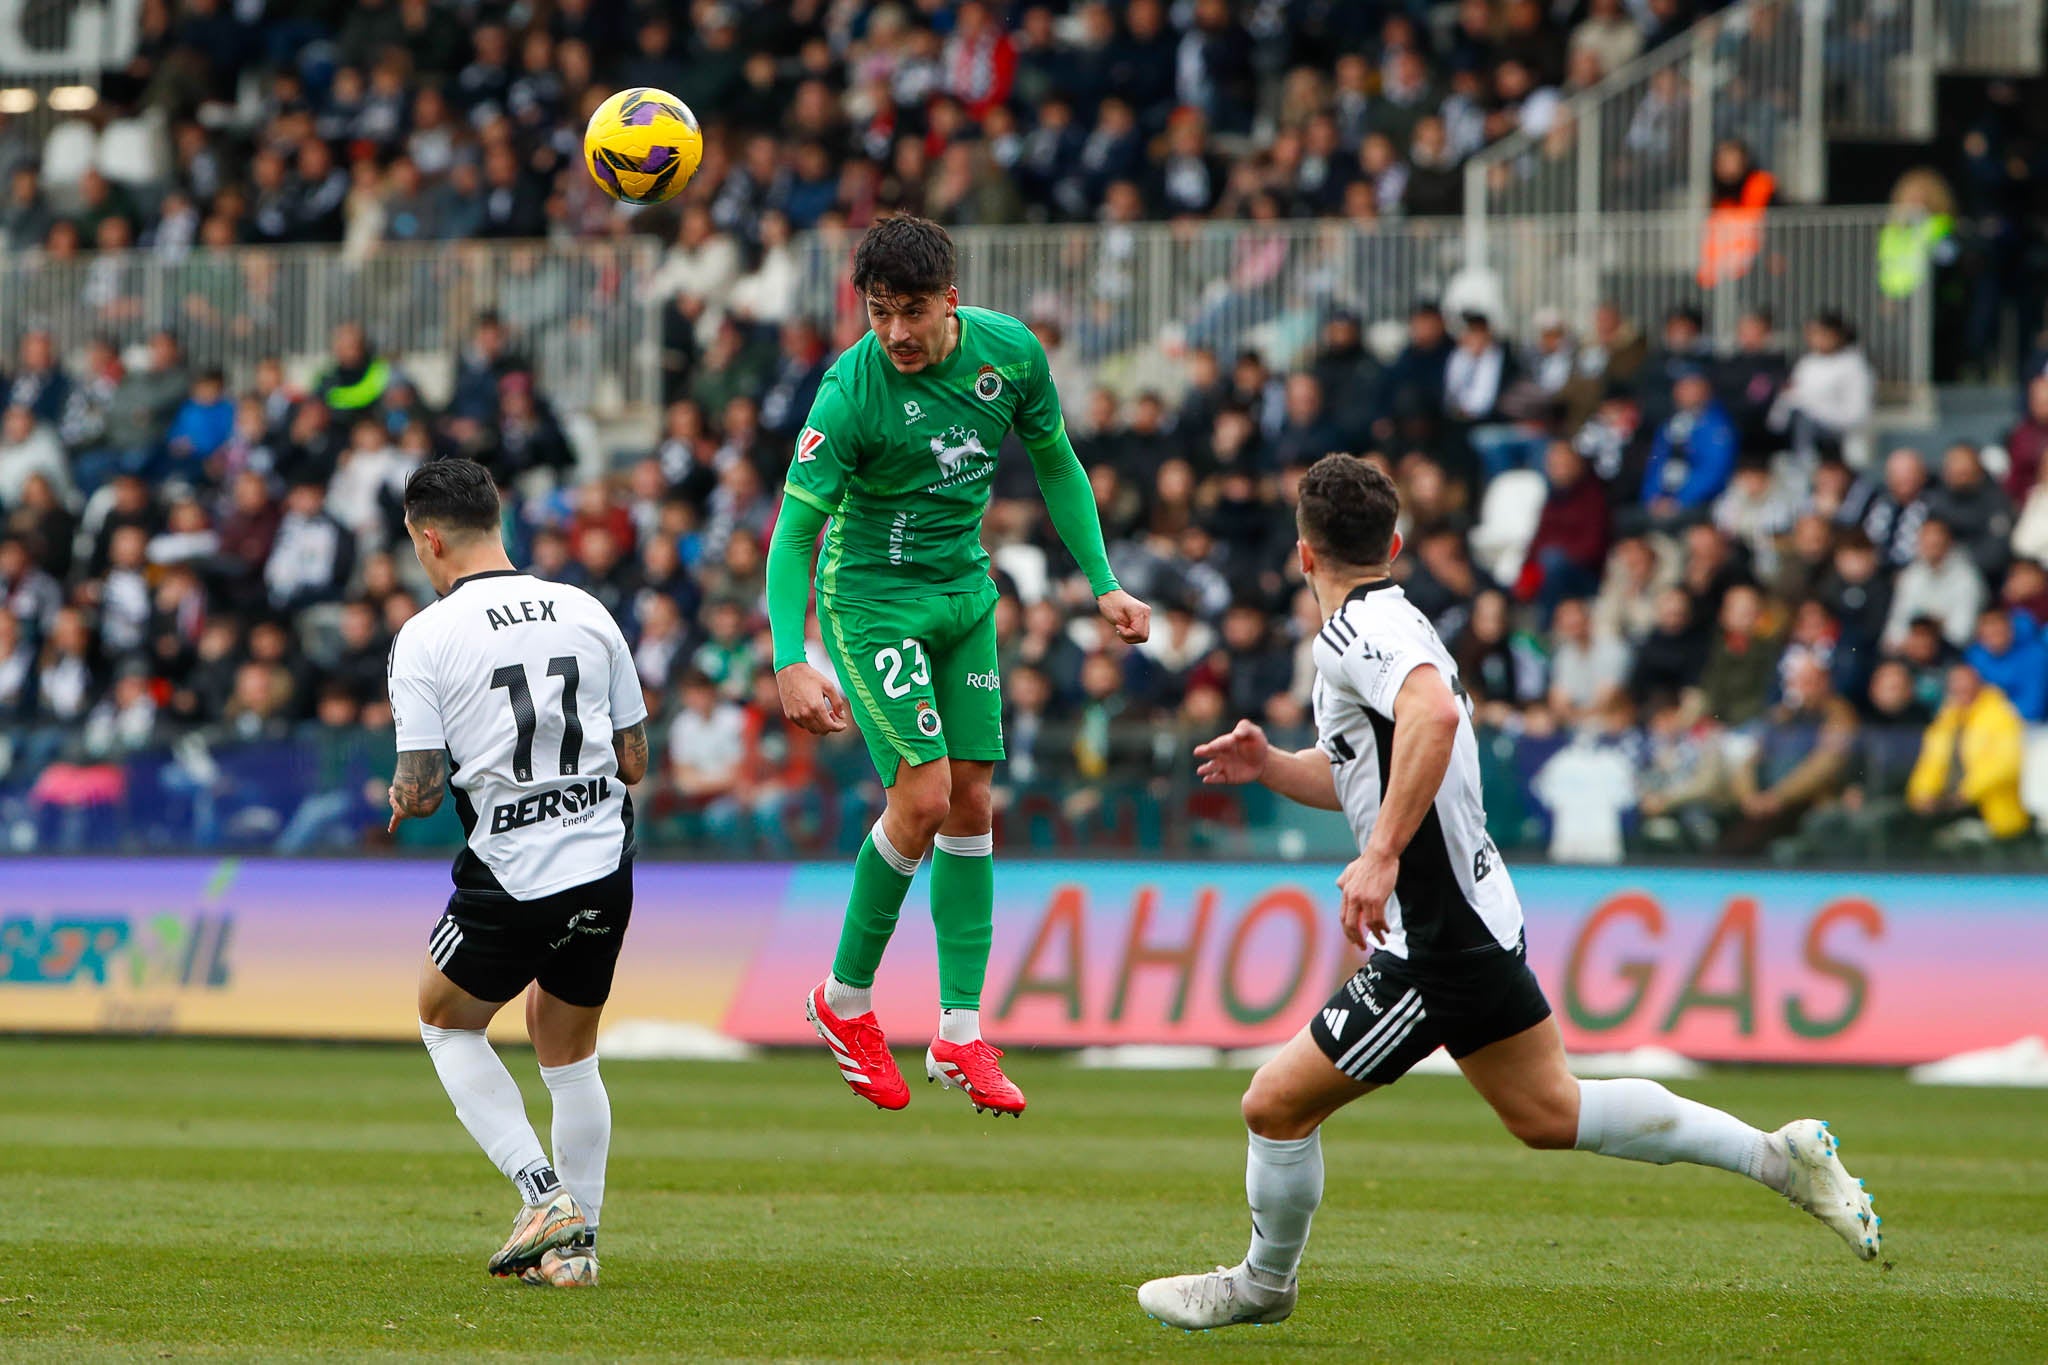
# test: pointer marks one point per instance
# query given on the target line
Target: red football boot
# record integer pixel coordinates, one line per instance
(861, 1051)
(973, 1068)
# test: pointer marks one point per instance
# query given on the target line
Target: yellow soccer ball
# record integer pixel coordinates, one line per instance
(643, 145)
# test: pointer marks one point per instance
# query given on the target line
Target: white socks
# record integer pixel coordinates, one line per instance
(959, 1026)
(489, 1105)
(1640, 1120)
(1284, 1183)
(583, 1131)
(848, 1002)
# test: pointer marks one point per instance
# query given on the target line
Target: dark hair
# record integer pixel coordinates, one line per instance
(905, 255)
(457, 494)
(1348, 509)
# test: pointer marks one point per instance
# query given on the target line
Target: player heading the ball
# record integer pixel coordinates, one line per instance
(895, 464)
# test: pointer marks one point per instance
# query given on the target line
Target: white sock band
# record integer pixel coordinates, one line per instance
(1639, 1120)
(1283, 1182)
(967, 845)
(489, 1104)
(959, 1026)
(582, 1131)
(906, 866)
(848, 1002)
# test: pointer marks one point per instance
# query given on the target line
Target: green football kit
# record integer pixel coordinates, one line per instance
(898, 469)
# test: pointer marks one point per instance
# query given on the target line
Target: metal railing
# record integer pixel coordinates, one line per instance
(582, 313)
(1130, 302)
(1781, 76)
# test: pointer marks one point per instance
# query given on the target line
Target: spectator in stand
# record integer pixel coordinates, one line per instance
(1499, 671)
(1800, 760)
(1412, 398)
(1587, 670)
(1609, 34)
(2010, 655)
(1827, 403)
(28, 449)
(1891, 513)
(1751, 377)
(1568, 552)
(2026, 443)
(1307, 433)
(1856, 593)
(1757, 513)
(1940, 583)
(1975, 509)
(1684, 349)
(311, 556)
(1742, 660)
(1970, 760)
(1733, 236)
(2030, 531)
(1692, 456)
(17, 671)
(38, 382)
(201, 427)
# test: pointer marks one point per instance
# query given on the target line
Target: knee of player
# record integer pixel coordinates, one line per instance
(1547, 1128)
(971, 810)
(927, 809)
(440, 1016)
(1268, 1113)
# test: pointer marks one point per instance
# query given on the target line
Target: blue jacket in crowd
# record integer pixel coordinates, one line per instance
(1694, 453)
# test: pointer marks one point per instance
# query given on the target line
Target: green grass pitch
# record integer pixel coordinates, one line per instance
(223, 1201)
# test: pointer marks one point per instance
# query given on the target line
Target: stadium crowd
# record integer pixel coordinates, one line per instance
(1679, 581)
(1679, 575)
(416, 120)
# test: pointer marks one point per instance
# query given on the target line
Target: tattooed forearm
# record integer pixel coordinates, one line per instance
(631, 746)
(421, 781)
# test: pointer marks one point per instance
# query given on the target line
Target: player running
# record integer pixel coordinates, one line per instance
(1395, 752)
(524, 691)
(898, 454)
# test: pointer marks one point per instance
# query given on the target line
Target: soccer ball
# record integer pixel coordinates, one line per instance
(643, 145)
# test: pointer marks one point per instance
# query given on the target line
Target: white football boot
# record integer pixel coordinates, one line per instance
(1222, 1298)
(1820, 1185)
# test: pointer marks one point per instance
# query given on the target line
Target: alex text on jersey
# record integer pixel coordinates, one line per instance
(524, 683)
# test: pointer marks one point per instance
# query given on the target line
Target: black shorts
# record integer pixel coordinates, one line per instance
(1394, 1012)
(492, 945)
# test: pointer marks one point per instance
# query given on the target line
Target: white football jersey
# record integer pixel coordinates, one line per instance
(1452, 893)
(523, 682)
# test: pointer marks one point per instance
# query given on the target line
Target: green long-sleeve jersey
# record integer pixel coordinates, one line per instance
(902, 464)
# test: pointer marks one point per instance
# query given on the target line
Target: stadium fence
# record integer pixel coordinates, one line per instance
(1782, 76)
(1130, 300)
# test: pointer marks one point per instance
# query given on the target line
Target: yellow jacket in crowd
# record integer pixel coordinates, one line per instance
(1986, 736)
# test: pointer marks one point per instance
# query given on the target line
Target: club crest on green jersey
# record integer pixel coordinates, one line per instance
(988, 385)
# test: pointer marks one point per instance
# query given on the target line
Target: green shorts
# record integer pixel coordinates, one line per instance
(920, 675)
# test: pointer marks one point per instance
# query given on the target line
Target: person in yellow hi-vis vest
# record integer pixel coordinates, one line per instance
(1734, 231)
(1970, 758)
(1918, 234)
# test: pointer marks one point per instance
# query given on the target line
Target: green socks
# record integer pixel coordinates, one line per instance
(963, 914)
(881, 879)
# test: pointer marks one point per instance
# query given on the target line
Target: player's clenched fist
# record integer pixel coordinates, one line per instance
(1131, 618)
(1239, 756)
(811, 701)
